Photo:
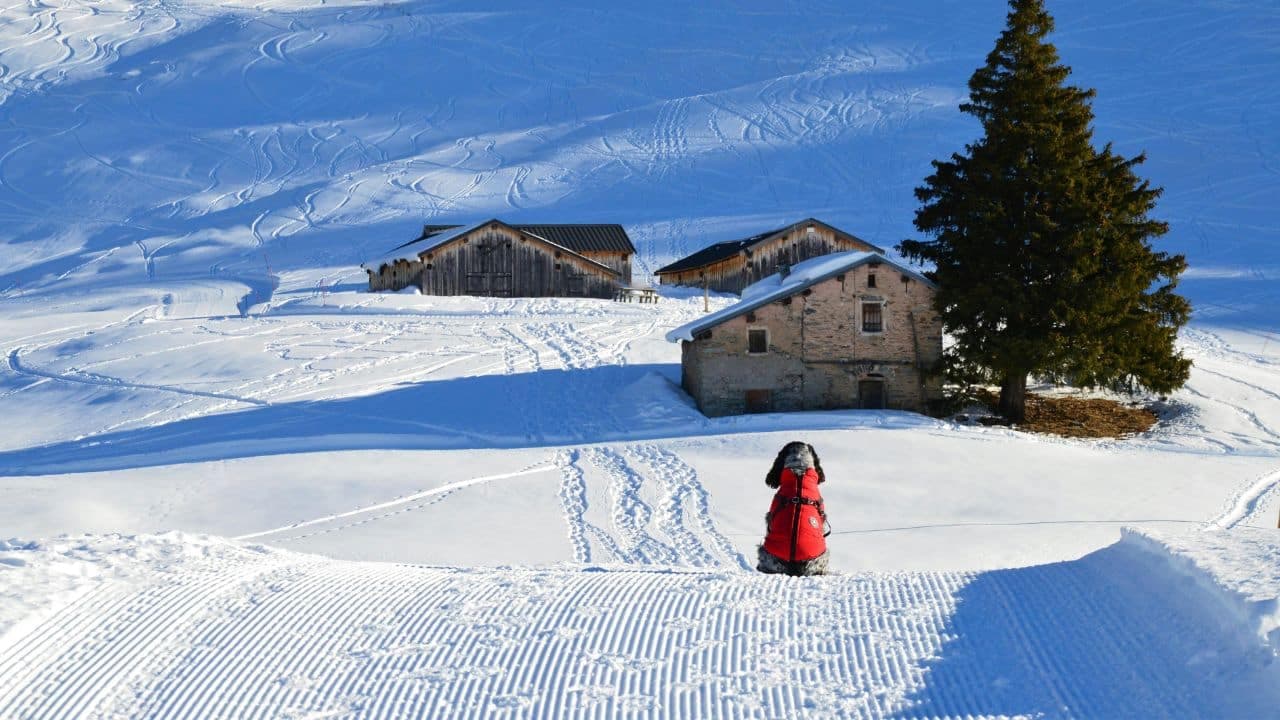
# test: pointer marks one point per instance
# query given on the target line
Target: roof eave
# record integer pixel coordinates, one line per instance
(495, 221)
(816, 221)
(574, 253)
(746, 306)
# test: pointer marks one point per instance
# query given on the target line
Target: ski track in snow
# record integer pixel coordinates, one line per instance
(275, 634)
(1249, 502)
(686, 498)
(631, 515)
(674, 528)
(357, 351)
(573, 499)
(407, 499)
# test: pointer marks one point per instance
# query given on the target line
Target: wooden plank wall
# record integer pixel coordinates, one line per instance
(728, 275)
(396, 275)
(735, 273)
(496, 261)
(615, 260)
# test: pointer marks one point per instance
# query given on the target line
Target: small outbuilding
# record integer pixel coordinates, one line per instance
(733, 265)
(496, 259)
(847, 330)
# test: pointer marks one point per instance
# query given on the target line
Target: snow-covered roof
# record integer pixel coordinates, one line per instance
(776, 287)
(411, 250)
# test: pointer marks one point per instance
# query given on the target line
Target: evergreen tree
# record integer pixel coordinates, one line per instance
(1041, 243)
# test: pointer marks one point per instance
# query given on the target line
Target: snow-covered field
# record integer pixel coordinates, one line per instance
(234, 485)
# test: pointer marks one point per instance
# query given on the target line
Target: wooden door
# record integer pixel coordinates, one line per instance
(759, 401)
(491, 271)
(871, 394)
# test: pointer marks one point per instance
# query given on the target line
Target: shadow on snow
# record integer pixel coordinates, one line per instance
(541, 409)
(1116, 633)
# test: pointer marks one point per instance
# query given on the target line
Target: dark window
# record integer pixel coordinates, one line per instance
(757, 342)
(871, 280)
(759, 401)
(872, 317)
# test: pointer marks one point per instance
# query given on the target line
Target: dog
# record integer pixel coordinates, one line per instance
(796, 524)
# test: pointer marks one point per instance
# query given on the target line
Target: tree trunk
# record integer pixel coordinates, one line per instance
(1013, 397)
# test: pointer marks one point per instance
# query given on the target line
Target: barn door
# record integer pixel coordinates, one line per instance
(491, 273)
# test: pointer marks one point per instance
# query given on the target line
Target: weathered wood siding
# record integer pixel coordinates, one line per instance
(728, 275)
(754, 264)
(396, 275)
(615, 260)
(495, 261)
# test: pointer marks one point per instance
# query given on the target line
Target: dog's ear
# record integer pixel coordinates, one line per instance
(817, 465)
(774, 478)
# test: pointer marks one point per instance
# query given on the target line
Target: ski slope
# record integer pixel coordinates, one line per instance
(233, 484)
(224, 630)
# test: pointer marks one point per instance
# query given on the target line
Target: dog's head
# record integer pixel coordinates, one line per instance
(799, 456)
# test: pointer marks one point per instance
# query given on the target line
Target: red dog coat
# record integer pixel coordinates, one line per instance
(796, 519)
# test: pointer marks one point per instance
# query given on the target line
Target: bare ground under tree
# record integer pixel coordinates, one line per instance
(1075, 416)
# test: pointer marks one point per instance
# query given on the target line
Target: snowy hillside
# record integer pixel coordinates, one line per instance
(233, 484)
(152, 142)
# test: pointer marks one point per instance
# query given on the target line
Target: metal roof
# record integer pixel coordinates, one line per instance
(714, 253)
(584, 238)
(724, 250)
(579, 238)
(434, 236)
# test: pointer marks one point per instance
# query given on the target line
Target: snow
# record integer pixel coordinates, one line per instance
(194, 626)
(1240, 568)
(413, 250)
(507, 507)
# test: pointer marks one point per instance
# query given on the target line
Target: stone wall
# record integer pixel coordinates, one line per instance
(818, 352)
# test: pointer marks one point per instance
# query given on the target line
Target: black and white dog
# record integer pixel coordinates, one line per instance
(795, 540)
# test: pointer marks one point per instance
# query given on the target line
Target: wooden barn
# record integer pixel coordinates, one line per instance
(731, 266)
(495, 259)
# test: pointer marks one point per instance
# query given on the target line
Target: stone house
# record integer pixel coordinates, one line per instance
(733, 265)
(848, 330)
(496, 259)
